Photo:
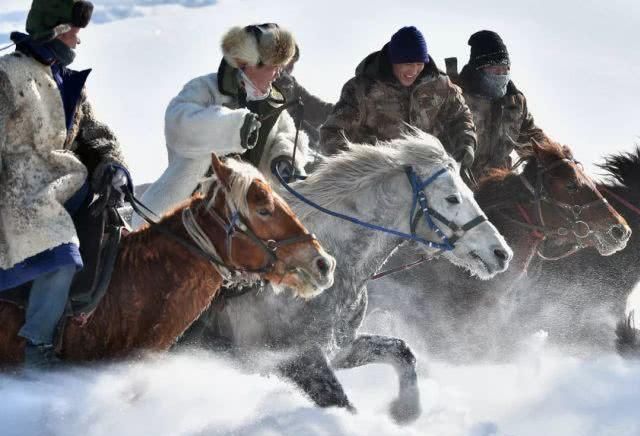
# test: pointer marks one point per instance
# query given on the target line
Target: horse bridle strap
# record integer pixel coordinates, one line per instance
(426, 212)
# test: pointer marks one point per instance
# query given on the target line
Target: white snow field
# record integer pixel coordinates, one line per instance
(577, 62)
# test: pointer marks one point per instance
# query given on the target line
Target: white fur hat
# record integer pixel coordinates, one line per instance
(265, 43)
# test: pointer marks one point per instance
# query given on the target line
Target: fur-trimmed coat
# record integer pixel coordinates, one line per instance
(205, 117)
(374, 106)
(42, 162)
(502, 125)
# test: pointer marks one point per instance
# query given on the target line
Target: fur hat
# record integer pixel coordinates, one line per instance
(266, 44)
(45, 15)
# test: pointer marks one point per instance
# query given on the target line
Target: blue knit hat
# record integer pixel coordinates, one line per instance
(408, 46)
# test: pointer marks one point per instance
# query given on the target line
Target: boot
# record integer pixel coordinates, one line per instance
(40, 356)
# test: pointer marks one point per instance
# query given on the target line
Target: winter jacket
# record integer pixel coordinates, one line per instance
(375, 106)
(205, 117)
(502, 125)
(50, 144)
(316, 110)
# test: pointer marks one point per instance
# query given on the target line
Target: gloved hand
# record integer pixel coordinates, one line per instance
(282, 164)
(465, 157)
(109, 181)
(249, 131)
(119, 179)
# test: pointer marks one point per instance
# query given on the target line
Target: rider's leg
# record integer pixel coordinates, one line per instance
(47, 301)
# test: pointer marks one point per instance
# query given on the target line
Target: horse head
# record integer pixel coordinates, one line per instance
(263, 236)
(454, 217)
(568, 204)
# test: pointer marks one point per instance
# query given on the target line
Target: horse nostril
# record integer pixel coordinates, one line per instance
(500, 254)
(323, 266)
(619, 232)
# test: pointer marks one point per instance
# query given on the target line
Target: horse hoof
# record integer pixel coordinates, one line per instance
(405, 411)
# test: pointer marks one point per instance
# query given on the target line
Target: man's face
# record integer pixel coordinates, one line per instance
(262, 76)
(499, 70)
(71, 38)
(407, 73)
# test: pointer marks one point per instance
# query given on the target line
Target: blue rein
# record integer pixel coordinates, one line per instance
(419, 197)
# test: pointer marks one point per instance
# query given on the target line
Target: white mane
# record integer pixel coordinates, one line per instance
(243, 175)
(365, 166)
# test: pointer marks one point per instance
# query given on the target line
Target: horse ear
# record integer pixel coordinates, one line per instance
(222, 172)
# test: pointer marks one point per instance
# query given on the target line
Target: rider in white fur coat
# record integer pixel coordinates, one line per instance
(224, 113)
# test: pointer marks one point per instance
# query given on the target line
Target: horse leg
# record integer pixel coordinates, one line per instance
(310, 371)
(368, 349)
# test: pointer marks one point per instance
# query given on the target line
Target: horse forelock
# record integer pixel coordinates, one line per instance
(364, 167)
(243, 175)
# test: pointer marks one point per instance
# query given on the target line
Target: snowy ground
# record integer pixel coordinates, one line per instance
(578, 63)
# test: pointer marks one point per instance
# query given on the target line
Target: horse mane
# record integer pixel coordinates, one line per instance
(624, 168)
(502, 183)
(242, 176)
(365, 166)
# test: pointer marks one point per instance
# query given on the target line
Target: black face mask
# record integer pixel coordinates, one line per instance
(64, 54)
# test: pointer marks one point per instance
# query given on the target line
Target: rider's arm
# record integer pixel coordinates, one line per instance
(459, 123)
(283, 143)
(344, 121)
(96, 145)
(197, 124)
(316, 111)
(528, 131)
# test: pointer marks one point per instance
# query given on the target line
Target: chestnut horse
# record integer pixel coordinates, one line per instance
(161, 284)
(552, 209)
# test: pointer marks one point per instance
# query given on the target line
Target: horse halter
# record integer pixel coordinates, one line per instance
(234, 225)
(428, 213)
(571, 213)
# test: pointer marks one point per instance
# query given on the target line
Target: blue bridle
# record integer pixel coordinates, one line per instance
(419, 197)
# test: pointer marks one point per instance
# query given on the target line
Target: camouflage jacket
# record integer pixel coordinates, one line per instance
(502, 125)
(374, 106)
(316, 110)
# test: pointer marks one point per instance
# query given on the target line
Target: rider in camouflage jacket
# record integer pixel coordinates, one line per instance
(376, 105)
(500, 112)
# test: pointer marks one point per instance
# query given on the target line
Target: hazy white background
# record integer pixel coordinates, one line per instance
(577, 62)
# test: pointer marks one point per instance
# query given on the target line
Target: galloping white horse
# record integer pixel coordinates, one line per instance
(383, 186)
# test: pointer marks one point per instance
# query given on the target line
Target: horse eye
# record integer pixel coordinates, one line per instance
(264, 212)
(453, 199)
(572, 187)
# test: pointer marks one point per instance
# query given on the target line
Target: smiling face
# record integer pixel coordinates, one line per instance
(407, 73)
(481, 249)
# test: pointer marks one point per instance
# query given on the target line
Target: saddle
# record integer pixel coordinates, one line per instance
(99, 228)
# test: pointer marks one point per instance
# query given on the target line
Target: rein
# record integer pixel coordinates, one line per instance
(569, 212)
(419, 197)
(621, 200)
(201, 245)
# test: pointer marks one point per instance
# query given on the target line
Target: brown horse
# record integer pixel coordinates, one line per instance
(160, 286)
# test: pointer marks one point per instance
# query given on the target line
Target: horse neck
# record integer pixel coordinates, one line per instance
(157, 273)
(360, 251)
(504, 190)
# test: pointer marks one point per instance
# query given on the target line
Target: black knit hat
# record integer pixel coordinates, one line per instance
(487, 48)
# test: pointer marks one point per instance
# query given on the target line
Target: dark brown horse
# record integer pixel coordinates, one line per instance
(160, 286)
(551, 209)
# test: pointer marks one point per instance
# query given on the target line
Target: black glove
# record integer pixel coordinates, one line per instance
(249, 131)
(465, 157)
(282, 165)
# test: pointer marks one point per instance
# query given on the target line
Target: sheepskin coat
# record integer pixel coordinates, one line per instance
(204, 118)
(48, 149)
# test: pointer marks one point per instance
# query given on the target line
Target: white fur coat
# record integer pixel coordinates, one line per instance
(197, 123)
(37, 174)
